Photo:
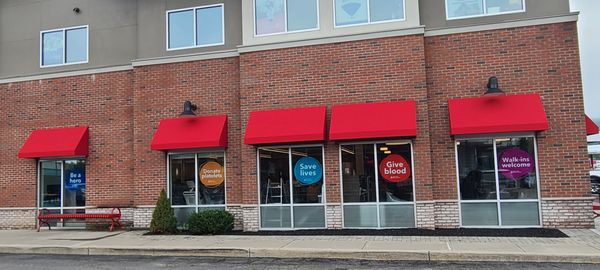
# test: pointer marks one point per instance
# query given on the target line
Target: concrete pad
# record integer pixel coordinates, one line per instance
(405, 246)
(263, 243)
(326, 245)
(169, 252)
(500, 248)
(559, 249)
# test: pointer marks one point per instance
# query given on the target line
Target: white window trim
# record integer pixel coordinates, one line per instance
(285, 15)
(197, 206)
(64, 58)
(194, 11)
(485, 13)
(369, 22)
(291, 192)
(377, 203)
(498, 201)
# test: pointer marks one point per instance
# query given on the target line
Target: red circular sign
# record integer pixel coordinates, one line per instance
(394, 168)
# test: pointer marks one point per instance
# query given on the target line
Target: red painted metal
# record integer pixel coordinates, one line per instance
(115, 217)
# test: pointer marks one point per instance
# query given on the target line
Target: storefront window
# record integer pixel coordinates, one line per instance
(498, 182)
(377, 189)
(62, 187)
(287, 173)
(196, 183)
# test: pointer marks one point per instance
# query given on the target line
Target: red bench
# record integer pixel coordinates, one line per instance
(115, 217)
(596, 209)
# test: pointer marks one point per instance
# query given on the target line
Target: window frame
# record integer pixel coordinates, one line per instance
(64, 41)
(498, 201)
(485, 12)
(369, 22)
(377, 203)
(197, 206)
(61, 208)
(323, 202)
(194, 12)
(285, 16)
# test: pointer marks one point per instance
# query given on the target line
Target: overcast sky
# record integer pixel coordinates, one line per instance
(589, 46)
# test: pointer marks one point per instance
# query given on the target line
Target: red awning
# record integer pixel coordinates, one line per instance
(590, 127)
(56, 142)
(191, 133)
(496, 114)
(373, 120)
(286, 126)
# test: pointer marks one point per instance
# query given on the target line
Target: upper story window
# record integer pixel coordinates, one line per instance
(195, 27)
(64, 46)
(354, 12)
(280, 16)
(458, 9)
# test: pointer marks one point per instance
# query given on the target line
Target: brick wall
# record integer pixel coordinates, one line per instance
(386, 69)
(159, 92)
(101, 101)
(540, 59)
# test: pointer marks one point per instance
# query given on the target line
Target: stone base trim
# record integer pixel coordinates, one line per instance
(17, 219)
(333, 215)
(250, 218)
(446, 215)
(425, 215)
(567, 213)
(142, 216)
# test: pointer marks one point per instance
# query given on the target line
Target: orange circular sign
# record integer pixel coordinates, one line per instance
(212, 174)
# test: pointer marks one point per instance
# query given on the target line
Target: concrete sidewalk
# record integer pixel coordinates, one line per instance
(583, 246)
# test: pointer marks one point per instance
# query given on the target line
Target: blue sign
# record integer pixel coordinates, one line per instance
(308, 171)
(75, 179)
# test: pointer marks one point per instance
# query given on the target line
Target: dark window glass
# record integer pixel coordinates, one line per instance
(476, 170)
(274, 175)
(183, 180)
(50, 192)
(516, 168)
(395, 185)
(307, 189)
(74, 183)
(358, 173)
(211, 173)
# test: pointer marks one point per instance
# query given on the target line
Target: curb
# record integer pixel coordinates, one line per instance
(308, 254)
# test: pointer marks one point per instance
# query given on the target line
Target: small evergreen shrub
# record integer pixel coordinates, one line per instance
(163, 218)
(210, 222)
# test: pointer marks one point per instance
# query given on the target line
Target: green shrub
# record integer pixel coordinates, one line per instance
(210, 222)
(163, 218)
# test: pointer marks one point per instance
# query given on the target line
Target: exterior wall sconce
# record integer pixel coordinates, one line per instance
(188, 109)
(492, 88)
(76, 10)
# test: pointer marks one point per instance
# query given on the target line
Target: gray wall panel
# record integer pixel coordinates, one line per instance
(112, 33)
(152, 26)
(433, 13)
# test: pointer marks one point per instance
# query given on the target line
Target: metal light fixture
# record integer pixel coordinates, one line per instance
(77, 10)
(492, 88)
(188, 109)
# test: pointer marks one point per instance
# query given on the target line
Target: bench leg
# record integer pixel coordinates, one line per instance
(42, 222)
(115, 221)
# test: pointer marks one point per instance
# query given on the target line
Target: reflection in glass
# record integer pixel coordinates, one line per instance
(397, 215)
(307, 193)
(389, 191)
(463, 8)
(516, 168)
(74, 183)
(309, 216)
(500, 6)
(349, 12)
(360, 216)
(270, 16)
(479, 214)
(275, 217)
(476, 170)
(181, 29)
(76, 45)
(50, 183)
(358, 173)
(52, 48)
(301, 14)
(386, 10)
(209, 25)
(274, 175)
(183, 180)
